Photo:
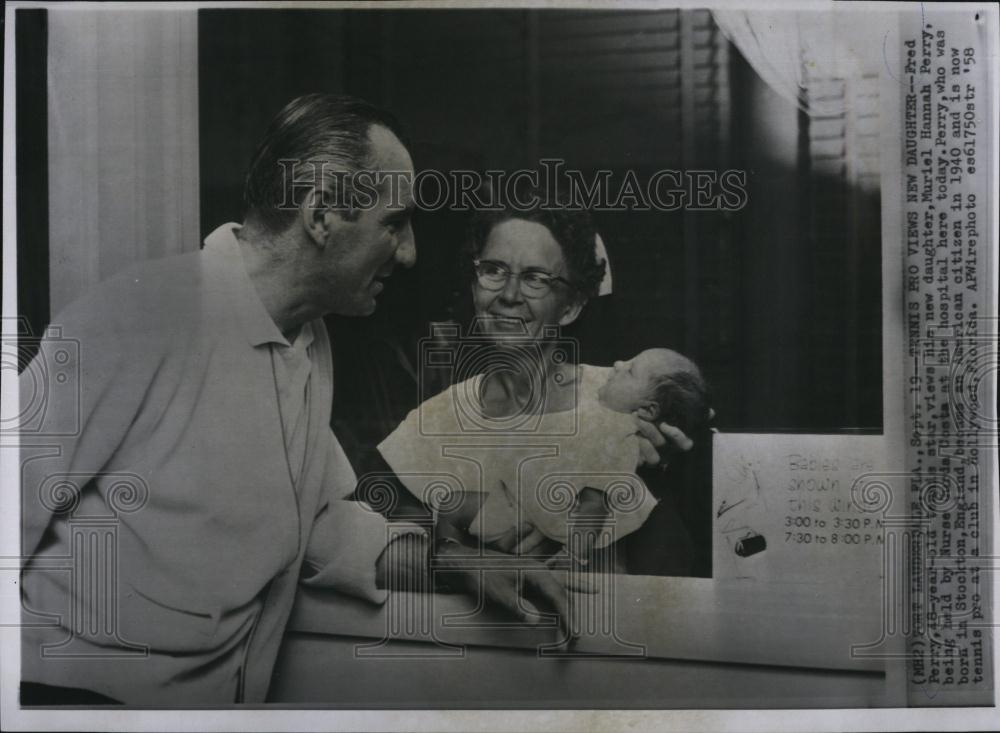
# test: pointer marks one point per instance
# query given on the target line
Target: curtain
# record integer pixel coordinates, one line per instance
(814, 161)
(788, 49)
(123, 141)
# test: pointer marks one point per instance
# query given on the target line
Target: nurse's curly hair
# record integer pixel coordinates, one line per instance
(571, 227)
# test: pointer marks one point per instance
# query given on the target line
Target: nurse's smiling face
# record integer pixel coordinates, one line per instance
(522, 247)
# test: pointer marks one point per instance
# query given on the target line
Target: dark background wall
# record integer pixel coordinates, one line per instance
(32, 167)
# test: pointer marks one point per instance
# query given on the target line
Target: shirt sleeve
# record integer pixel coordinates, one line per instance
(348, 537)
(417, 452)
(78, 399)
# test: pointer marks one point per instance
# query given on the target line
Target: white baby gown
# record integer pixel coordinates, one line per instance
(528, 468)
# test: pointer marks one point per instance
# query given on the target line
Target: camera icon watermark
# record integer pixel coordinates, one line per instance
(49, 379)
(623, 502)
(491, 347)
(933, 593)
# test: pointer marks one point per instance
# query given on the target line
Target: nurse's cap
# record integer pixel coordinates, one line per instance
(602, 254)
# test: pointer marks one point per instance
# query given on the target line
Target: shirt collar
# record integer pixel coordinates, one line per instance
(305, 337)
(257, 323)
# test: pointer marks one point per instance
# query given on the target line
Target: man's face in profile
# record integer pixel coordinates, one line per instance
(364, 251)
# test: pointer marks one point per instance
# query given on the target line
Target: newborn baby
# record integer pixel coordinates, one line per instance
(658, 385)
(573, 465)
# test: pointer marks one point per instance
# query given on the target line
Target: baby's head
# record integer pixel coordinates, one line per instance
(661, 385)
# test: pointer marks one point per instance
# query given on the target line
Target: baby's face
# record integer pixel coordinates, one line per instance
(632, 384)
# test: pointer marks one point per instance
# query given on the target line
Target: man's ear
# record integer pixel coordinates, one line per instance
(320, 220)
(649, 411)
(317, 219)
(572, 311)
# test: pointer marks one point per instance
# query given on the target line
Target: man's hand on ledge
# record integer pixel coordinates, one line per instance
(403, 564)
(520, 591)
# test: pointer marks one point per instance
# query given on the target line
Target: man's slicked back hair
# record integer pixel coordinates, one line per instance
(312, 132)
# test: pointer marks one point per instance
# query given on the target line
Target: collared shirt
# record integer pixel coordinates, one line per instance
(200, 438)
(292, 361)
(292, 368)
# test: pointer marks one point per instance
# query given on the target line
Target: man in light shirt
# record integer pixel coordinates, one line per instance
(197, 418)
(185, 469)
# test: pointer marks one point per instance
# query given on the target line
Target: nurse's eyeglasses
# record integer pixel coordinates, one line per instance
(493, 275)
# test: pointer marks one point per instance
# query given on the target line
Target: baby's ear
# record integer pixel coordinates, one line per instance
(649, 411)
